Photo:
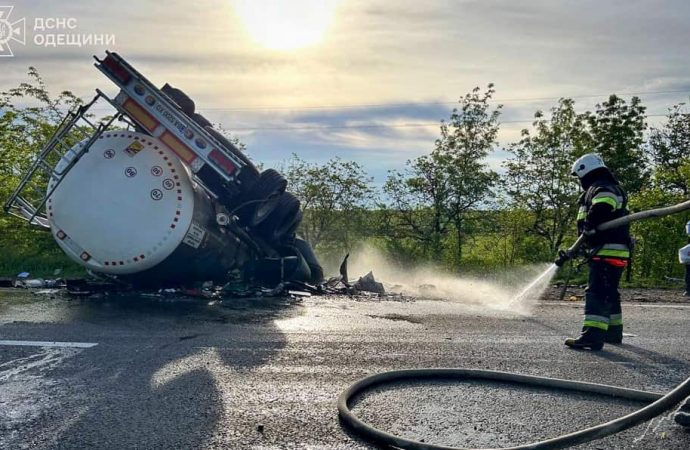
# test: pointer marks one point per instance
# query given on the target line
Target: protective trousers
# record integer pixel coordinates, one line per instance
(602, 301)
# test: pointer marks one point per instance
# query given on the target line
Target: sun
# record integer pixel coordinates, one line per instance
(286, 24)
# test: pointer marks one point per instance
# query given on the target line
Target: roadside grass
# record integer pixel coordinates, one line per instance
(40, 266)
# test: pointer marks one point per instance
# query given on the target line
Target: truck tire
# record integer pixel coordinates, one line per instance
(282, 220)
(202, 121)
(269, 188)
(308, 254)
(185, 103)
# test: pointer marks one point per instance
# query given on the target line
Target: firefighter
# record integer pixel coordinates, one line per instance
(603, 200)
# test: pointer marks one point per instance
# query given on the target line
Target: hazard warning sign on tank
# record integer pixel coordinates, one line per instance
(134, 148)
(156, 194)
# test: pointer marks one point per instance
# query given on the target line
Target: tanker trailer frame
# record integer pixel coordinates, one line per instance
(237, 209)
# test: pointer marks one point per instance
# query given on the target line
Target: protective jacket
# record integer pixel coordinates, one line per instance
(603, 201)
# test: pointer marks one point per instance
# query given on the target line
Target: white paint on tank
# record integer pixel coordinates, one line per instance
(124, 207)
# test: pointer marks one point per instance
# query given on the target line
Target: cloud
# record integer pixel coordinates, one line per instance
(411, 57)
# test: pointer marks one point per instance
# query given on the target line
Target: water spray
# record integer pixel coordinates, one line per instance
(659, 403)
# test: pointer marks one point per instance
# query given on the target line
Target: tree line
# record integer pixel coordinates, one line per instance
(449, 207)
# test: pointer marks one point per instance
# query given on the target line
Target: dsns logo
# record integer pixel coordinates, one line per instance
(10, 31)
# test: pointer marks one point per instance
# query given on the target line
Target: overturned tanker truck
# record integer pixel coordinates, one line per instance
(153, 195)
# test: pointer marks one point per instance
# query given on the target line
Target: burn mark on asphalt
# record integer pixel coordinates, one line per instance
(397, 318)
(191, 336)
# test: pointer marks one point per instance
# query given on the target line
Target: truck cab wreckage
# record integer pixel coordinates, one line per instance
(165, 200)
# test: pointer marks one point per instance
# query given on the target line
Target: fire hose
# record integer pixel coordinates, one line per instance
(659, 402)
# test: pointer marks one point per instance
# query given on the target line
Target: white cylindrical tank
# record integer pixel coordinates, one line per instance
(128, 205)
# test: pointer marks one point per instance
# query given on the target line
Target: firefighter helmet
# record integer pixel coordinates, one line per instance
(587, 163)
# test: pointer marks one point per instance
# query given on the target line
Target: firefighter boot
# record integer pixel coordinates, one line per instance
(592, 338)
(614, 335)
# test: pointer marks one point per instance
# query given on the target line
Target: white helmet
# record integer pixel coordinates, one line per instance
(587, 163)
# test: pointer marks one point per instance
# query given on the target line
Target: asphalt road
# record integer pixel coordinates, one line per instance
(265, 374)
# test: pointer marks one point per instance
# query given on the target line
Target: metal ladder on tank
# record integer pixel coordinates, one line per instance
(28, 200)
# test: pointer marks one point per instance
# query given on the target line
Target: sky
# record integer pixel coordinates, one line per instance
(367, 80)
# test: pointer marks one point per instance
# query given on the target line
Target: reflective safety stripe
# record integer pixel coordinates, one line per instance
(610, 198)
(582, 215)
(593, 320)
(616, 319)
(615, 251)
(597, 318)
(607, 200)
(595, 324)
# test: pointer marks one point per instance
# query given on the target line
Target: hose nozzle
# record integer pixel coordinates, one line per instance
(563, 257)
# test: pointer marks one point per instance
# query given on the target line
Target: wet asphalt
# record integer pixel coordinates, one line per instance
(265, 374)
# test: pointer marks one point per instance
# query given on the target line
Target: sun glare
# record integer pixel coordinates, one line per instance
(286, 24)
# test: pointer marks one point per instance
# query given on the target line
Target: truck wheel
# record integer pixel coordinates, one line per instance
(281, 220)
(270, 187)
(300, 271)
(308, 253)
(202, 121)
(185, 103)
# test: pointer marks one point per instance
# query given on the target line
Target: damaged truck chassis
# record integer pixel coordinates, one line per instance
(164, 199)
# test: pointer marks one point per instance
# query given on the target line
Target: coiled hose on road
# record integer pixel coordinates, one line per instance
(660, 403)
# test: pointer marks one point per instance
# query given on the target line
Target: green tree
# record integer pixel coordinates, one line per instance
(435, 193)
(465, 142)
(334, 196)
(658, 240)
(417, 204)
(29, 115)
(669, 147)
(616, 132)
(538, 177)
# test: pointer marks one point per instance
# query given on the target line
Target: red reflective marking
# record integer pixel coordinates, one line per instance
(116, 69)
(222, 161)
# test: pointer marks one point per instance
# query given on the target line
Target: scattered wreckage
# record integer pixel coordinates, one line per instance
(154, 196)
